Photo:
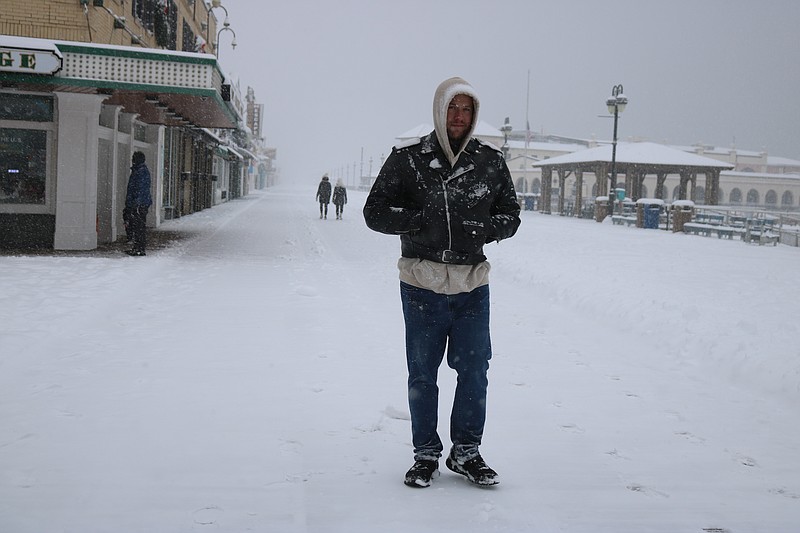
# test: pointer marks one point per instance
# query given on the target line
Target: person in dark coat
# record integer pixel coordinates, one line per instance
(446, 195)
(137, 204)
(324, 196)
(339, 198)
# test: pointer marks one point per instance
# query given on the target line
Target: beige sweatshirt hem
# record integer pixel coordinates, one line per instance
(443, 278)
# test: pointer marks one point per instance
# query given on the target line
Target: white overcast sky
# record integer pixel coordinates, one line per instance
(339, 76)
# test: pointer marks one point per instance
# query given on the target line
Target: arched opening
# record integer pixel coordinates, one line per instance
(700, 194)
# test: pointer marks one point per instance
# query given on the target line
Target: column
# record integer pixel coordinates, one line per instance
(547, 187)
(76, 171)
(712, 186)
(562, 182)
(661, 177)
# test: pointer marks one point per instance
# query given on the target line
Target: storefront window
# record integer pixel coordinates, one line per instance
(26, 107)
(23, 166)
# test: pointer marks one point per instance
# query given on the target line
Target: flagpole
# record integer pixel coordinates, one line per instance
(527, 130)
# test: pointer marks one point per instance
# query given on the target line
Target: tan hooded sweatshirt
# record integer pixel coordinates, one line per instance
(439, 277)
(444, 94)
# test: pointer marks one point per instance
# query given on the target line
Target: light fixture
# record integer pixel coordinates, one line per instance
(214, 5)
(506, 129)
(616, 105)
(233, 42)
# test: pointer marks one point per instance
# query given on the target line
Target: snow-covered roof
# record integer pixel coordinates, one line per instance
(782, 161)
(546, 146)
(482, 129)
(643, 153)
(419, 131)
(35, 43)
(764, 175)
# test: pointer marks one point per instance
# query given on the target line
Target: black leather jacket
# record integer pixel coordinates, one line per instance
(441, 213)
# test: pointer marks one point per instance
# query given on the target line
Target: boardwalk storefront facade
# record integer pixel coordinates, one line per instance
(72, 114)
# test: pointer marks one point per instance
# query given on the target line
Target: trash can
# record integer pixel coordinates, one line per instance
(530, 202)
(682, 212)
(648, 212)
(600, 208)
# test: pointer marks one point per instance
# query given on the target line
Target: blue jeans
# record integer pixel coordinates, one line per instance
(460, 324)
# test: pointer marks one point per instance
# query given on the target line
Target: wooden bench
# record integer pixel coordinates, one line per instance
(693, 228)
(709, 218)
(621, 219)
(723, 232)
(726, 232)
(761, 237)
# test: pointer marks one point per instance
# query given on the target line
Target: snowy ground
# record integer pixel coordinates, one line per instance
(252, 378)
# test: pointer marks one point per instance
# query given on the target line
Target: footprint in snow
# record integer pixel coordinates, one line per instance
(485, 511)
(305, 290)
(785, 493)
(745, 460)
(397, 414)
(641, 489)
(207, 516)
(617, 455)
(690, 437)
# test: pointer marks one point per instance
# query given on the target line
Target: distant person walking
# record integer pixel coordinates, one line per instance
(324, 196)
(339, 198)
(137, 204)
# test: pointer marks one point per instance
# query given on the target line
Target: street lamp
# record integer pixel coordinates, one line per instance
(226, 27)
(215, 4)
(616, 105)
(506, 129)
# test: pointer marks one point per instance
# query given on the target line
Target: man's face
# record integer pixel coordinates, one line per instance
(459, 117)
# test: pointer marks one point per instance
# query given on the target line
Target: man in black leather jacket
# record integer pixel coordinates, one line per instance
(446, 195)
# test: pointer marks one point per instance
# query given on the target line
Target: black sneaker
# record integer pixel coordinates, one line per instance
(419, 475)
(135, 253)
(475, 470)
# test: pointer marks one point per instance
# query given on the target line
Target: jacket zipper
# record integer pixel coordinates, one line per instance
(447, 214)
(458, 173)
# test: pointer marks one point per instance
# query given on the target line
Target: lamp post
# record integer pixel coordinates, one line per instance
(616, 105)
(215, 4)
(226, 27)
(506, 129)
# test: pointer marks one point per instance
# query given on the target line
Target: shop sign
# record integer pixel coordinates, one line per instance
(29, 61)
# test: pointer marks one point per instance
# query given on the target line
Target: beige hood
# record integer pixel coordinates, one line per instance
(446, 91)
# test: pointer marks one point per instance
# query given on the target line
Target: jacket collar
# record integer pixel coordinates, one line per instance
(430, 145)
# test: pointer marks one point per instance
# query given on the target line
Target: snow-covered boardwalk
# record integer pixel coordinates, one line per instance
(252, 378)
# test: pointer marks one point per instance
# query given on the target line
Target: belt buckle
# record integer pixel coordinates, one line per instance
(448, 256)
